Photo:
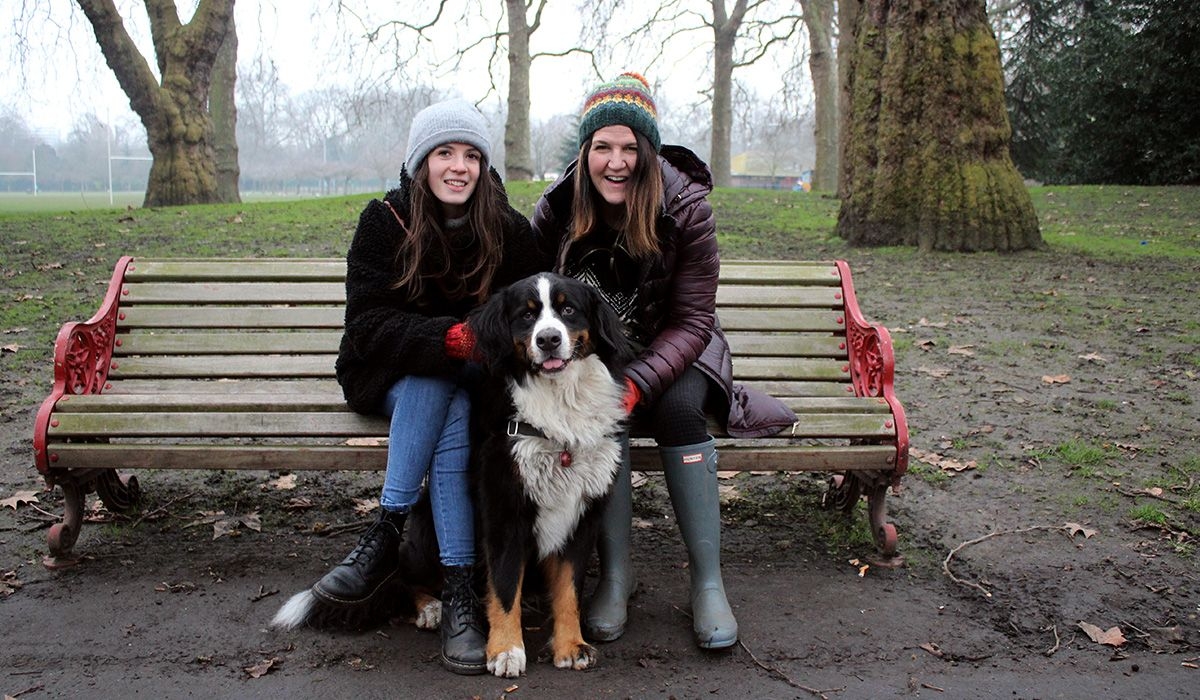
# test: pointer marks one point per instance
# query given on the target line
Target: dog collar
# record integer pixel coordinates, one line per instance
(518, 428)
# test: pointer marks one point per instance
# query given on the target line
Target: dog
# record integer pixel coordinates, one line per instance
(550, 419)
(547, 422)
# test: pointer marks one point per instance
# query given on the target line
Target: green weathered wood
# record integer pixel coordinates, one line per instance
(248, 318)
(775, 368)
(785, 345)
(232, 270)
(781, 319)
(220, 292)
(201, 342)
(789, 296)
(217, 366)
(780, 272)
(188, 385)
(201, 403)
(159, 424)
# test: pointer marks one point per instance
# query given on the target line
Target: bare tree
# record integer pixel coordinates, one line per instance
(822, 63)
(927, 161)
(174, 106)
(223, 108)
(742, 34)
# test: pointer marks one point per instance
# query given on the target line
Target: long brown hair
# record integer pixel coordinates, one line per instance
(642, 203)
(425, 255)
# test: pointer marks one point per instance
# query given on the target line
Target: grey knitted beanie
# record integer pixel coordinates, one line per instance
(451, 121)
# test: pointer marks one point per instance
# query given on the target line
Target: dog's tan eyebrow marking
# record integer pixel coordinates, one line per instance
(560, 298)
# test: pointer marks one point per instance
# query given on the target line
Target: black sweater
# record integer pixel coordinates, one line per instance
(389, 336)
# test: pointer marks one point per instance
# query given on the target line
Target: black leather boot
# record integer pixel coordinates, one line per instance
(464, 644)
(369, 566)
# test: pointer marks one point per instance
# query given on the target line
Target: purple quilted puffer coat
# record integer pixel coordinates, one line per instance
(677, 289)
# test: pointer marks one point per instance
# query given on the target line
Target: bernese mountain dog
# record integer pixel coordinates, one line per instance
(547, 422)
(550, 418)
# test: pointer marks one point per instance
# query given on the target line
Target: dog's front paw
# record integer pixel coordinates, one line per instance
(429, 613)
(507, 664)
(577, 656)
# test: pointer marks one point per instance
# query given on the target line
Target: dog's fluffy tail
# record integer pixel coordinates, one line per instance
(296, 612)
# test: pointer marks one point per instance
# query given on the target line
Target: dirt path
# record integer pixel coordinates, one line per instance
(1065, 392)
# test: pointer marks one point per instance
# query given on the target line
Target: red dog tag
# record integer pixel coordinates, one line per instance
(564, 459)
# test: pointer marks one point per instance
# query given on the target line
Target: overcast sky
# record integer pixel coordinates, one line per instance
(66, 77)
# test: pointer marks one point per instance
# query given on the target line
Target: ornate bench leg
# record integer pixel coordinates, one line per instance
(120, 494)
(61, 537)
(884, 532)
(843, 492)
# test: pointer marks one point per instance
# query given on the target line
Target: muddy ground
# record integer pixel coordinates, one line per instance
(1064, 391)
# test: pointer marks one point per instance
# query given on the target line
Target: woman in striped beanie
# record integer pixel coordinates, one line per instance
(631, 218)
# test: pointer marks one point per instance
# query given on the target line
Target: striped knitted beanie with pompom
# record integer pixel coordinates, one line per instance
(626, 100)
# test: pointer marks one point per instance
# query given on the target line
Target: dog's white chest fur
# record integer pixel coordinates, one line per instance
(580, 412)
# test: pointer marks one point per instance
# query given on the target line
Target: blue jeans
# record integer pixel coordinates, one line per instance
(430, 435)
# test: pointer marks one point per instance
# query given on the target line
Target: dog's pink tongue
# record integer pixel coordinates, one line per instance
(553, 364)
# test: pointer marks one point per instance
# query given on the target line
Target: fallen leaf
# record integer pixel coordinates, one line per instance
(1093, 357)
(11, 347)
(932, 648)
(19, 498)
(10, 331)
(363, 506)
(9, 584)
(932, 324)
(1111, 636)
(261, 668)
(941, 462)
(925, 344)
(287, 482)
(1077, 529)
(962, 350)
(298, 503)
(1056, 379)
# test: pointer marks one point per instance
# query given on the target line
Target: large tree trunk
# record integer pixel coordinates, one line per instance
(222, 108)
(725, 29)
(517, 162)
(927, 161)
(818, 18)
(175, 112)
(847, 19)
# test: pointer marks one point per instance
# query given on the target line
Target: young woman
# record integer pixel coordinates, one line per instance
(631, 217)
(421, 258)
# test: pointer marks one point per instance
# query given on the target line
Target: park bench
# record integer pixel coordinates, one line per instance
(229, 364)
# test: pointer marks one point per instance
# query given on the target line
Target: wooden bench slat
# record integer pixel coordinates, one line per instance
(250, 457)
(212, 366)
(791, 389)
(819, 273)
(779, 319)
(221, 425)
(193, 402)
(218, 292)
(760, 368)
(774, 295)
(233, 269)
(301, 457)
(786, 344)
(217, 343)
(247, 318)
(223, 386)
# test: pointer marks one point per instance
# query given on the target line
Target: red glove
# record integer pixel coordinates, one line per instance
(633, 395)
(460, 342)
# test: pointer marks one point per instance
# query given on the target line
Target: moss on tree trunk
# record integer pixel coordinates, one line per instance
(926, 159)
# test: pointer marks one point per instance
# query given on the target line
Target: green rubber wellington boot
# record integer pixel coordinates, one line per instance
(607, 609)
(691, 472)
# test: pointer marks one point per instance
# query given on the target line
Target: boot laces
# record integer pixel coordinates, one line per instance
(371, 542)
(465, 604)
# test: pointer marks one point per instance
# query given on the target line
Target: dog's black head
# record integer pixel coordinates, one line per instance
(544, 322)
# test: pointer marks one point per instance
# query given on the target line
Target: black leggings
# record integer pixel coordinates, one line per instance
(678, 417)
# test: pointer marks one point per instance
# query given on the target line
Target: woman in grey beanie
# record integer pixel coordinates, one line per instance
(422, 257)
